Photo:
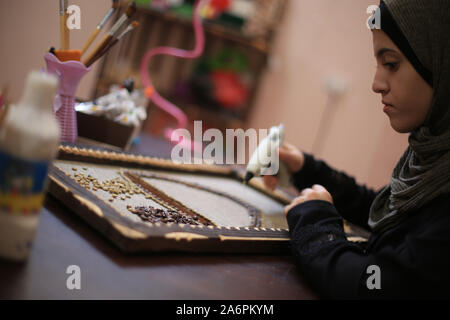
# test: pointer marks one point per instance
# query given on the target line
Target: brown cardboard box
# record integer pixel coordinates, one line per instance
(107, 131)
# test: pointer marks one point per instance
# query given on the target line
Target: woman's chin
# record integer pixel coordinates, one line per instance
(400, 128)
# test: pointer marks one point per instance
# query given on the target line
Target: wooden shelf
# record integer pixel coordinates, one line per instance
(168, 28)
(211, 28)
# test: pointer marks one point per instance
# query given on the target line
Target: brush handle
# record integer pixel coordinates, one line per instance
(103, 52)
(108, 47)
(62, 32)
(91, 57)
(89, 41)
(66, 33)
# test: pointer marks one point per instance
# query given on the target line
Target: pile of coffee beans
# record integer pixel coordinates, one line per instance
(154, 215)
(118, 188)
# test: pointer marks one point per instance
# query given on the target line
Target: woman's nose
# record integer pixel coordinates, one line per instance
(379, 84)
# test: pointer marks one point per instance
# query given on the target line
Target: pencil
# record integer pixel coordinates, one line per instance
(131, 10)
(109, 14)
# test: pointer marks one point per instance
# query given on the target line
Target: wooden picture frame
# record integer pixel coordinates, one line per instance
(132, 237)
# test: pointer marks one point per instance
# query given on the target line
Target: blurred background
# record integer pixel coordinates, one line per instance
(306, 64)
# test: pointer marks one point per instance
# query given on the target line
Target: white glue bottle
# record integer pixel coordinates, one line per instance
(29, 138)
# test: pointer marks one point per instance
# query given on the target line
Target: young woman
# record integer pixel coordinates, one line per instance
(409, 219)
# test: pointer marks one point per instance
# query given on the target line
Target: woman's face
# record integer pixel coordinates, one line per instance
(406, 97)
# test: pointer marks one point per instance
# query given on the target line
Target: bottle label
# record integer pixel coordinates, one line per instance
(22, 184)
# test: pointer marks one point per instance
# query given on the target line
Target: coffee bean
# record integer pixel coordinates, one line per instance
(153, 215)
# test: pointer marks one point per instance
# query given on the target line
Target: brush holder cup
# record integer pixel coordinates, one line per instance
(70, 74)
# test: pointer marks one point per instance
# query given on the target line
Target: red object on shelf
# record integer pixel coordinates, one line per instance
(229, 90)
(221, 5)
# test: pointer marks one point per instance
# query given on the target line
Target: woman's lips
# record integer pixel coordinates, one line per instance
(387, 107)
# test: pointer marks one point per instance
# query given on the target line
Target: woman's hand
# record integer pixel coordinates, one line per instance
(294, 160)
(317, 192)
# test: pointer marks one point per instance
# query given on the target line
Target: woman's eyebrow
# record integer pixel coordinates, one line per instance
(385, 50)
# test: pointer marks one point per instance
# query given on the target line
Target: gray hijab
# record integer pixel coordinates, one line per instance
(423, 172)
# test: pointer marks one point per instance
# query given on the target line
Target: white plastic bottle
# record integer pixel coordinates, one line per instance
(29, 138)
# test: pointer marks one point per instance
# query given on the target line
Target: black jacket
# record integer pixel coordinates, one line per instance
(413, 257)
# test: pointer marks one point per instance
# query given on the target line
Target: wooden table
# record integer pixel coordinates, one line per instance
(63, 239)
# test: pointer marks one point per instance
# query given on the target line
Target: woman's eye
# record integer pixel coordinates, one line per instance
(390, 65)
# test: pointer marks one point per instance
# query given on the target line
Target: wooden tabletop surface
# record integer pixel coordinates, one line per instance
(63, 239)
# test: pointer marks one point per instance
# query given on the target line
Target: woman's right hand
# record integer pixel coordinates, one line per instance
(294, 160)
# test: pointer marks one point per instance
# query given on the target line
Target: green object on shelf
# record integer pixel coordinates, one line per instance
(229, 59)
(183, 11)
(143, 3)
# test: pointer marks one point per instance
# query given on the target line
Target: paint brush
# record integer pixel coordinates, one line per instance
(64, 31)
(109, 14)
(131, 10)
(130, 28)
